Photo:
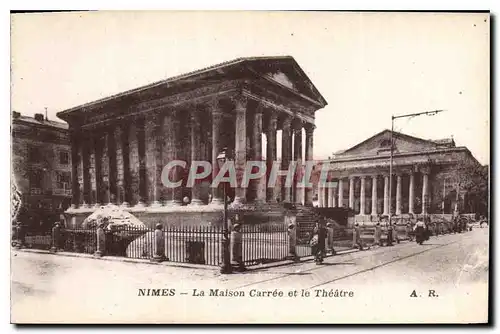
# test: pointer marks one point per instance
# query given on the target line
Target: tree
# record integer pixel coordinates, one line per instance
(473, 181)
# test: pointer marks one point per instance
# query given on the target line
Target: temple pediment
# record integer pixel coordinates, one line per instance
(286, 72)
(380, 144)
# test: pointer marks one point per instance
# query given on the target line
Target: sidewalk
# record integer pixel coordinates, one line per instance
(178, 264)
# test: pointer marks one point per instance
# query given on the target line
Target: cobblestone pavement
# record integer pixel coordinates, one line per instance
(50, 288)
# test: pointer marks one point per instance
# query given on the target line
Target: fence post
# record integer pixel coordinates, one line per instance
(237, 248)
(292, 242)
(56, 233)
(101, 241)
(378, 233)
(355, 231)
(329, 238)
(159, 254)
(20, 237)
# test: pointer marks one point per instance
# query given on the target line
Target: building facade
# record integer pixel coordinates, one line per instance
(41, 165)
(424, 181)
(121, 144)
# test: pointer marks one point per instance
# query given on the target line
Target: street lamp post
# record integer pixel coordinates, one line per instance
(226, 259)
(429, 113)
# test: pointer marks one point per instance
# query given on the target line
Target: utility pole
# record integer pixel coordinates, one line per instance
(428, 113)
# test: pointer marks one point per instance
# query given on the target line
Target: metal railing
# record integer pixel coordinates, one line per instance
(264, 243)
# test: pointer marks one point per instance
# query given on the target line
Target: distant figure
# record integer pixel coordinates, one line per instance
(186, 200)
(420, 232)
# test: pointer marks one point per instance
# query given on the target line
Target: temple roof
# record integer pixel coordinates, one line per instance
(280, 70)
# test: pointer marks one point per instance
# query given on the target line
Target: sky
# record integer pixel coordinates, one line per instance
(368, 66)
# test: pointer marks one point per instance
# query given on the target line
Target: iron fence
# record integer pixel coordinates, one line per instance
(264, 243)
(38, 239)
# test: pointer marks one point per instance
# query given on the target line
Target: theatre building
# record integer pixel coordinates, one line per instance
(120, 144)
(424, 177)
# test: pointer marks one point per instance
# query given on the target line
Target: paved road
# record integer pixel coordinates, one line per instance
(443, 280)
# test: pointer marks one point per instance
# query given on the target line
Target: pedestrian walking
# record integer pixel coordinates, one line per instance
(318, 242)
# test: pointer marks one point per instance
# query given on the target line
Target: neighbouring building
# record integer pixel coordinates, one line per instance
(425, 177)
(41, 167)
(120, 144)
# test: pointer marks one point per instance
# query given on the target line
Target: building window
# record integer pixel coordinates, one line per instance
(34, 154)
(35, 179)
(63, 180)
(63, 158)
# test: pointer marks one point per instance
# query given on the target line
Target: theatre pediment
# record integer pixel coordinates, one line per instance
(380, 145)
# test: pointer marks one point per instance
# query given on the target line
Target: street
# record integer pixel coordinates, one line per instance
(447, 276)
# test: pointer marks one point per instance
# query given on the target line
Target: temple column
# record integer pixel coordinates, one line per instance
(141, 149)
(341, 193)
(217, 146)
(105, 168)
(120, 190)
(387, 201)
(286, 153)
(260, 184)
(398, 194)
(152, 151)
(297, 157)
(425, 191)
(351, 192)
(75, 187)
(240, 147)
(87, 187)
(309, 128)
(271, 150)
(362, 196)
(97, 145)
(126, 186)
(112, 166)
(374, 194)
(176, 145)
(195, 129)
(411, 199)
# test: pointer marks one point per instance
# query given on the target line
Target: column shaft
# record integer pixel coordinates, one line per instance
(126, 181)
(217, 146)
(152, 152)
(330, 197)
(271, 151)
(398, 194)
(97, 144)
(240, 146)
(177, 154)
(362, 196)
(112, 169)
(120, 190)
(387, 201)
(351, 192)
(298, 191)
(411, 199)
(308, 157)
(195, 154)
(425, 192)
(286, 150)
(259, 184)
(341, 193)
(374, 195)
(141, 149)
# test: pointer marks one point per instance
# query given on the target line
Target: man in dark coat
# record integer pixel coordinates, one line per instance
(319, 249)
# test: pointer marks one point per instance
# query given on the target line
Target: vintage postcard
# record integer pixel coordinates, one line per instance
(250, 167)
